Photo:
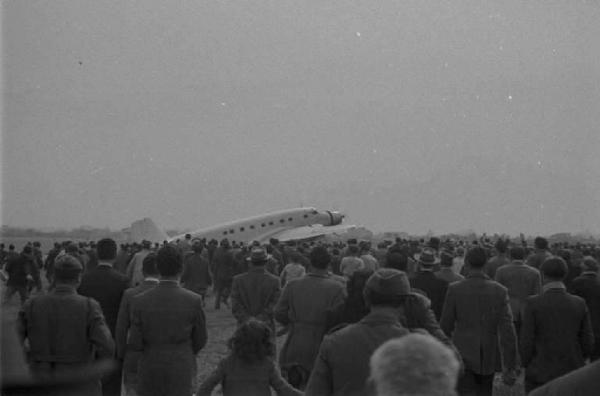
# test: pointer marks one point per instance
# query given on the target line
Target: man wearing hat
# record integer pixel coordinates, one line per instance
(426, 281)
(255, 293)
(342, 365)
(66, 332)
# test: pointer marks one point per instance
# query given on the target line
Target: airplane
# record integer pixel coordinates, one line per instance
(284, 225)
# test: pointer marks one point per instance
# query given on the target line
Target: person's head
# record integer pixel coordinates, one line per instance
(386, 287)
(501, 246)
(517, 253)
(188, 236)
(540, 243)
(11, 247)
(146, 244)
(414, 365)
(149, 266)
(396, 260)
(197, 246)
(589, 264)
(427, 259)
(446, 258)
(258, 256)
(554, 269)
(319, 257)
(169, 261)
(27, 249)
(476, 257)
(67, 270)
(353, 250)
(106, 249)
(252, 341)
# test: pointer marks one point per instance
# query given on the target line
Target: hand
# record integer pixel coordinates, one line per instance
(509, 377)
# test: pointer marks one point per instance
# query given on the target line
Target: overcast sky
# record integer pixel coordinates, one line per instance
(407, 115)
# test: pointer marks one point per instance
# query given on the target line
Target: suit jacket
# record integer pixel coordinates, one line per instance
(581, 382)
(124, 317)
(434, 287)
(521, 281)
(556, 335)
(587, 286)
(168, 327)
(105, 285)
(476, 312)
(342, 365)
(254, 294)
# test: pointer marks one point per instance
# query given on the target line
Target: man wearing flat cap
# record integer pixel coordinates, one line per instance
(255, 293)
(65, 332)
(342, 365)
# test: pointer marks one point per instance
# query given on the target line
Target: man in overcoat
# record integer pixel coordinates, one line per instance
(168, 328)
(255, 293)
(129, 357)
(303, 307)
(106, 285)
(587, 286)
(66, 333)
(477, 316)
(342, 365)
(556, 336)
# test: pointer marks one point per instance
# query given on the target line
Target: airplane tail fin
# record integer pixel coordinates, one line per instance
(145, 229)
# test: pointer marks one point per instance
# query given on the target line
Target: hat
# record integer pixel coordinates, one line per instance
(388, 282)
(427, 257)
(258, 255)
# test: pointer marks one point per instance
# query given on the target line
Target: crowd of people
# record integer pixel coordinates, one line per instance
(404, 317)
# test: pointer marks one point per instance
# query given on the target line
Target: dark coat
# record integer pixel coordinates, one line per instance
(196, 273)
(303, 306)
(105, 285)
(556, 335)
(477, 316)
(342, 365)
(521, 281)
(587, 286)
(168, 327)
(254, 294)
(65, 331)
(582, 382)
(434, 288)
(18, 266)
(124, 317)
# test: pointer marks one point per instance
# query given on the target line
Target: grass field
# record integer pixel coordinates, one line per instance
(220, 326)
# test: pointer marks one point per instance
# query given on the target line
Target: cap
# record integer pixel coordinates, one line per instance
(388, 282)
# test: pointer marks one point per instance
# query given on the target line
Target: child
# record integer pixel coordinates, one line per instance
(250, 367)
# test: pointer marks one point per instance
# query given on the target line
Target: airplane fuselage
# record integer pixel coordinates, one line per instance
(261, 228)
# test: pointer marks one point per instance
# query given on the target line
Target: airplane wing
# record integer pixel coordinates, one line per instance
(308, 232)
